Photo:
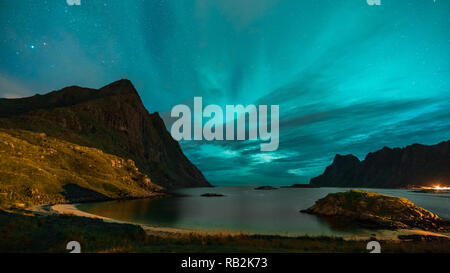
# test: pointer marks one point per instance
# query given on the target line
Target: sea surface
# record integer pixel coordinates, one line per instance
(248, 210)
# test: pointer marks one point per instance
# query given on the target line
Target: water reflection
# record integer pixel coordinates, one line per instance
(136, 210)
(246, 209)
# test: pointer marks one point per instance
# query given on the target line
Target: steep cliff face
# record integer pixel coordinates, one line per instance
(342, 169)
(415, 165)
(112, 119)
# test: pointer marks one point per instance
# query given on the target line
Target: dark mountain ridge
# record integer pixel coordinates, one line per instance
(65, 97)
(414, 165)
(113, 119)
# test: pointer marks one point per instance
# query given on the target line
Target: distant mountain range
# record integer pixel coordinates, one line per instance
(112, 119)
(415, 165)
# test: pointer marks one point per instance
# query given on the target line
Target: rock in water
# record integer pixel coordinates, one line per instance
(378, 211)
(112, 119)
(212, 195)
(302, 186)
(266, 188)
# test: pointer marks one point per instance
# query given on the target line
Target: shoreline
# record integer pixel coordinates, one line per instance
(71, 209)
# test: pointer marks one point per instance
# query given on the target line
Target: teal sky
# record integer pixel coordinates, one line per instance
(349, 77)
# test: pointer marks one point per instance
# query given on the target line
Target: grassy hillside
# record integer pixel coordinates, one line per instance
(37, 169)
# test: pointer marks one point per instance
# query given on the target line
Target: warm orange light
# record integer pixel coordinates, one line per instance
(438, 188)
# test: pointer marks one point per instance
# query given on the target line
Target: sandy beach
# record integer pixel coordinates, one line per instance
(71, 209)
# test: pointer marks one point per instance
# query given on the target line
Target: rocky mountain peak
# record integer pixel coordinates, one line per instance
(345, 159)
(122, 86)
(113, 119)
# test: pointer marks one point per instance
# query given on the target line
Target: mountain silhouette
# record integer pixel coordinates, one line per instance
(414, 165)
(112, 119)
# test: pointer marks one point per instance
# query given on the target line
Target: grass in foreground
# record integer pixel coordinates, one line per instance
(22, 233)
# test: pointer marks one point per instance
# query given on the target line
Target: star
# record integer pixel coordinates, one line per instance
(32, 46)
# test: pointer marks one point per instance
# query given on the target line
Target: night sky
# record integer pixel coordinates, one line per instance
(349, 77)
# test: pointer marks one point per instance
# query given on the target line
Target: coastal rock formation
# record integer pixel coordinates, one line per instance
(301, 186)
(415, 165)
(112, 119)
(378, 211)
(266, 188)
(212, 195)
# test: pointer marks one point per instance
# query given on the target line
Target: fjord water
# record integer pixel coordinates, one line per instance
(247, 209)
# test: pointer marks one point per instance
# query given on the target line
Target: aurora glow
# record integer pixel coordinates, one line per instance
(349, 77)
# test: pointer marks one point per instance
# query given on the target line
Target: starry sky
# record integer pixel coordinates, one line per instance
(349, 77)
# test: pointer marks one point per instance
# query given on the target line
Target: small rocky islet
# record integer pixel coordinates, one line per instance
(377, 211)
(266, 188)
(302, 186)
(212, 195)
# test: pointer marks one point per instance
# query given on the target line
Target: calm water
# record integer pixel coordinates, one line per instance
(246, 209)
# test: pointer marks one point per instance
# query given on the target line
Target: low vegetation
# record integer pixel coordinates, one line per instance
(23, 233)
(37, 169)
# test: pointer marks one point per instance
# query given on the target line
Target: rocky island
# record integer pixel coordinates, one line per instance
(302, 186)
(377, 211)
(212, 195)
(266, 188)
